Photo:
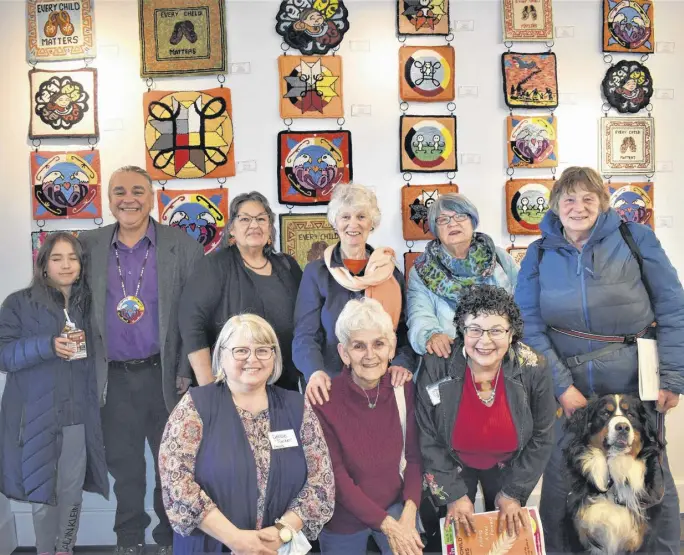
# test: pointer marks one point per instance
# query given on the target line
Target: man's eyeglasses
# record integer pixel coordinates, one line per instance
(475, 332)
(243, 353)
(444, 219)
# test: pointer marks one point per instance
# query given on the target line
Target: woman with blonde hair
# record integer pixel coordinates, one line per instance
(244, 463)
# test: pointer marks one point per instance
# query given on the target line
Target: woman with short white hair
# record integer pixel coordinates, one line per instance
(243, 463)
(371, 432)
(351, 269)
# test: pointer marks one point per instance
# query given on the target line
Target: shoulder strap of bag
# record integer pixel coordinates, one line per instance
(631, 243)
(401, 406)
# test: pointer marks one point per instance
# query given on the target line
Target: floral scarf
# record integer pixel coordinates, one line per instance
(445, 275)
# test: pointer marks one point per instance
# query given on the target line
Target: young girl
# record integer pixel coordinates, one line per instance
(51, 445)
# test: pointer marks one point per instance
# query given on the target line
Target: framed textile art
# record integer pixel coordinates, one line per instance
(202, 214)
(527, 20)
(428, 144)
(182, 37)
(415, 202)
(426, 73)
(310, 87)
(628, 86)
(532, 141)
(312, 26)
(530, 80)
(627, 146)
(189, 134)
(38, 238)
(628, 26)
(409, 260)
(633, 201)
(66, 185)
(60, 30)
(63, 103)
(423, 17)
(517, 253)
(527, 201)
(311, 164)
(306, 236)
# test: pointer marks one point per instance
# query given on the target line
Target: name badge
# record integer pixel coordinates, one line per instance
(282, 439)
(433, 391)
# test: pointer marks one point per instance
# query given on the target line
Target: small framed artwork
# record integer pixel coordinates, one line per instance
(189, 134)
(410, 258)
(428, 144)
(628, 86)
(527, 20)
(415, 202)
(310, 87)
(202, 214)
(628, 26)
(311, 164)
(38, 238)
(306, 236)
(182, 37)
(66, 185)
(426, 73)
(60, 30)
(530, 80)
(423, 17)
(532, 141)
(311, 26)
(627, 146)
(517, 253)
(63, 104)
(634, 202)
(527, 201)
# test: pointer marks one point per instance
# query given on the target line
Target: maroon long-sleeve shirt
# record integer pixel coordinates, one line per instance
(365, 447)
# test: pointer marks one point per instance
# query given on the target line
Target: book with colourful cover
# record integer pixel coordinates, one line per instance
(488, 541)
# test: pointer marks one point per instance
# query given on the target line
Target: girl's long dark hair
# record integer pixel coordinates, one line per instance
(80, 292)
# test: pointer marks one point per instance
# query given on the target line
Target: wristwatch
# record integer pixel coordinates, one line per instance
(284, 531)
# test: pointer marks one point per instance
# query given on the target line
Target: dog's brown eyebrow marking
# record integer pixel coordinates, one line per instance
(610, 407)
(624, 406)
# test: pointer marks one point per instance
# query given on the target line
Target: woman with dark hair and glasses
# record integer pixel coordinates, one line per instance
(51, 445)
(486, 413)
(244, 465)
(246, 276)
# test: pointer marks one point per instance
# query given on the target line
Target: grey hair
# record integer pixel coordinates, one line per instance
(454, 202)
(253, 196)
(357, 197)
(361, 315)
(259, 330)
(133, 169)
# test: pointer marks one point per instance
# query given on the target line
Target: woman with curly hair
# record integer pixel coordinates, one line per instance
(486, 413)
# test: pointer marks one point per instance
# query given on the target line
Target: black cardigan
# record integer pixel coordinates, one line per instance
(222, 287)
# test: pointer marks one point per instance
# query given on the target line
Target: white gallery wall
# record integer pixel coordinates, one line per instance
(370, 53)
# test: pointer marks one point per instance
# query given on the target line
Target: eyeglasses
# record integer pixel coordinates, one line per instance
(243, 353)
(475, 332)
(444, 219)
(247, 220)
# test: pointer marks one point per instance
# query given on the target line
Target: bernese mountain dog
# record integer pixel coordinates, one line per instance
(614, 460)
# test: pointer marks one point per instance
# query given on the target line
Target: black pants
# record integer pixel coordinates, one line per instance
(135, 411)
(490, 480)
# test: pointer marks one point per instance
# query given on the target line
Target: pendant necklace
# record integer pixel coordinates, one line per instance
(489, 401)
(131, 308)
(377, 394)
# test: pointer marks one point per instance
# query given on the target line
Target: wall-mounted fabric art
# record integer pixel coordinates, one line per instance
(66, 185)
(426, 73)
(628, 26)
(63, 103)
(633, 201)
(627, 146)
(311, 164)
(628, 86)
(532, 141)
(527, 20)
(202, 214)
(306, 236)
(527, 201)
(312, 26)
(60, 30)
(38, 238)
(428, 144)
(530, 80)
(423, 17)
(409, 260)
(182, 37)
(415, 202)
(189, 134)
(517, 253)
(310, 87)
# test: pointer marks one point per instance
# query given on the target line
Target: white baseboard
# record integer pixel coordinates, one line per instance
(8, 535)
